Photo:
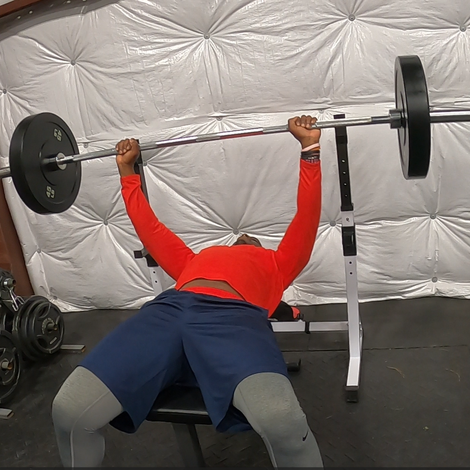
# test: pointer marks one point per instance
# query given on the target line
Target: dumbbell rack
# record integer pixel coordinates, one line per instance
(353, 325)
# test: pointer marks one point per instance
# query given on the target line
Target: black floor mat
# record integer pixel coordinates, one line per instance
(413, 408)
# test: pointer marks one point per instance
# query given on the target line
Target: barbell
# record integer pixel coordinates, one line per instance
(45, 164)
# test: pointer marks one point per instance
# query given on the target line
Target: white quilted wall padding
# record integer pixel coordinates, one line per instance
(158, 69)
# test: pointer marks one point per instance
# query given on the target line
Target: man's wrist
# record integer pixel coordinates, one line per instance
(126, 170)
(311, 147)
(307, 142)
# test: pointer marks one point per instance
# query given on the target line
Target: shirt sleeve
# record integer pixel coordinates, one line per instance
(296, 247)
(165, 247)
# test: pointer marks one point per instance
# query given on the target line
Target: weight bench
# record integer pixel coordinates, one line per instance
(184, 407)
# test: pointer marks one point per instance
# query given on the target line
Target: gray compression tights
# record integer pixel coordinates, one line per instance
(84, 405)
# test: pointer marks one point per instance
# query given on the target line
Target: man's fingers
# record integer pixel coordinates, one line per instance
(295, 121)
(311, 122)
(120, 146)
(305, 121)
(125, 146)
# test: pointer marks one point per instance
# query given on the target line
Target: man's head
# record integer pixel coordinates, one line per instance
(247, 240)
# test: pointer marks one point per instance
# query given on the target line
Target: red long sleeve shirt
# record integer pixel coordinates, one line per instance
(259, 275)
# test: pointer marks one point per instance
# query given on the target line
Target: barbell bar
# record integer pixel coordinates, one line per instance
(62, 160)
(441, 116)
(45, 164)
(392, 118)
(193, 139)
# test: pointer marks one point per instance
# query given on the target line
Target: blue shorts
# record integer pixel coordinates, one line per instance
(190, 339)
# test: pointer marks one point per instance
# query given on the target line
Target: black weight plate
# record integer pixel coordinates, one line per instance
(19, 328)
(45, 328)
(411, 99)
(3, 319)
(6, 318)
(29, 346)
(10, 367)
(44, 189)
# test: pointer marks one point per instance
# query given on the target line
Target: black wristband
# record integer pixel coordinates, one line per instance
(310, 156)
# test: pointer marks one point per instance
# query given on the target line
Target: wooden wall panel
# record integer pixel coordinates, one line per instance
(16, 5)
(10, 249)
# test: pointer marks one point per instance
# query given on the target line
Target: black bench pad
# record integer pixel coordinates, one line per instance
(178, 404)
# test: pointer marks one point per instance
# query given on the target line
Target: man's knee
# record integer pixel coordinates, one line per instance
(271, 406)
(283, 419)
(71, 400)
(75, 397)
(85, 402)
(64, 414)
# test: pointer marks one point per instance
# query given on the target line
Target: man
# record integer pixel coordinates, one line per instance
(211, 330)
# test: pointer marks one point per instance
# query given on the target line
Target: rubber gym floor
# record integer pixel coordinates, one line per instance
(413, 407)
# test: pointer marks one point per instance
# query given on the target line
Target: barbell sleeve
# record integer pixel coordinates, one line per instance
(442, 116)
(5, 172)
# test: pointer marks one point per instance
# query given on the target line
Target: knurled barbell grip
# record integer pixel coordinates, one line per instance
(217, 136)
(168, 143)
(65, 159)
(394, 118)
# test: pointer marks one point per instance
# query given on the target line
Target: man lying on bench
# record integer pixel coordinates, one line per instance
(210, 331)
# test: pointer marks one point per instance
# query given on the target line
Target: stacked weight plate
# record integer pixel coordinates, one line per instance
(10, 363)
(32, 333)
(38, 327)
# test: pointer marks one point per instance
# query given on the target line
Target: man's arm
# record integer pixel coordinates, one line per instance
(166, 248)
(296, 247)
